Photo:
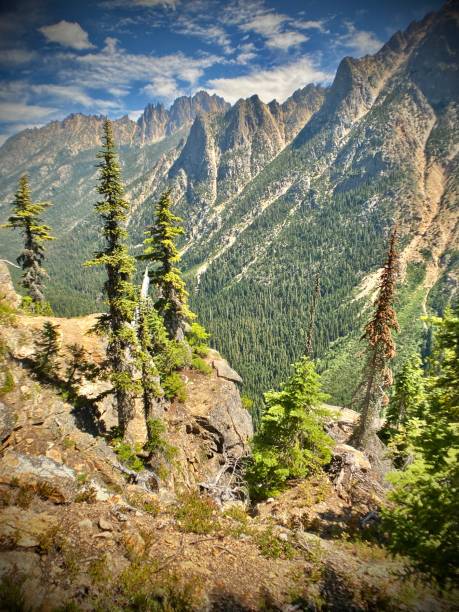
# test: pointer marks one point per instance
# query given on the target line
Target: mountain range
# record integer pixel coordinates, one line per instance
(274, 194)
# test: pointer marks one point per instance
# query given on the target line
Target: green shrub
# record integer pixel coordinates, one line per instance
(7, 313)
(8, 382)
(11, 594)
(158, 445)
(174, 355)
(174, 387)
(272, 547)
(127, 455)
(197, 338)
(196, 513)
(198, 363)
(247, 402)
(39, 309)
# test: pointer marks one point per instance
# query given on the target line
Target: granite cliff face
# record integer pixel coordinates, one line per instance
(225, 152)
(272, 192)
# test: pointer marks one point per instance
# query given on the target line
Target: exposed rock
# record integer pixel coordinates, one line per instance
(7, 421)
(8, 292)
(105, 525)
(225, 371)
(53, 480)
(135, 544)
(25, 527)
(353, 478)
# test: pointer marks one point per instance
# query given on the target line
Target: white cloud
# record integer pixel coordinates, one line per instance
(135, 114)
(278, 83)
(360, 42)
(75, 94)
(264, 24)
(18, 111)
(114, 67)
(278, 30)
(67, 34)
(305, 24)
(166, 3)
(162, 87)
(16, 57)
(285, 40)
(246, 53)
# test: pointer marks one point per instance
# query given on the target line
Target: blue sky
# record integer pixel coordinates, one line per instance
(115, 56)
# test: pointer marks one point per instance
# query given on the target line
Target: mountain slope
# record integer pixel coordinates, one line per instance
(375, 152)
(273, 193)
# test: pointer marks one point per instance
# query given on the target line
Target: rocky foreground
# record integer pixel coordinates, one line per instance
(81, 529)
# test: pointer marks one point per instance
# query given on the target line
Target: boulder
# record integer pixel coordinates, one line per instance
(26, 528)
(354, 479)
(225, 371)
(227, 423)
(55, 481)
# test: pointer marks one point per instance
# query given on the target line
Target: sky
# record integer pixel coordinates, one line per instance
(113, 57)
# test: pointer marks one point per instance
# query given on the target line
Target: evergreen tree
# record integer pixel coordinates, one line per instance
(121, 294)
(161, 250)
(46, 350)
(148, 326)
(26, 217)
(408, 399)
(291, 441)
(312, 317)
(422, 518)
(377, 375)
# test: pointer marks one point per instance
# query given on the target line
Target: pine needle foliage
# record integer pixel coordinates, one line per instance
(377, 376)
(422, 518)
(26, 218)
(148, 322)
(291, 442)
(161, 251)
(408, 400)
(119, 288)
(47, 345)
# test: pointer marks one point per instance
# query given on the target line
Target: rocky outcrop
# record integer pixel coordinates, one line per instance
(156, 122)
(210, 429)
(226, 151)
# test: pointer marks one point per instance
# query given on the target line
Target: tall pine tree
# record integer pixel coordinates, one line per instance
(26, 217)
(122, 347)
(377, 376)
(162, 252)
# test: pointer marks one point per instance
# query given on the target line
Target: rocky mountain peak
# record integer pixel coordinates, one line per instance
(156, 121)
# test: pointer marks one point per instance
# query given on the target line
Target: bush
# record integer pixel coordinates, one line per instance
(7, 313)
(174, 387)
(247, 402)
(197, 338)
(156, 440)
(41, 309)
(127, 455)
(272, 547)
(196, 513)
(174, 356)
(199, 364)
